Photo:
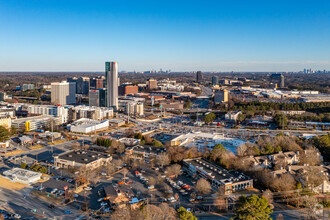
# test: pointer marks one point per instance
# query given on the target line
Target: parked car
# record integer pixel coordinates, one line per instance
(151, 187)
(53, 191)
(88, 188)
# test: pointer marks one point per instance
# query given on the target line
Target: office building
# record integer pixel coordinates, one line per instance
(26, 87)
(215, 80)
(82, 85)
(127, 89)
(75, 80)
(225, 180)
(63, 93)
(152, 84)
(131, 107)
(78, 158)
(221, 96)
(199, 76)
(98, 98)
(35, 123)
(111, 74)
(96, 82)
(91, 112)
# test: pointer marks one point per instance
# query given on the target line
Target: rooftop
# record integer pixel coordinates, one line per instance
(217, 172)
(82, 156)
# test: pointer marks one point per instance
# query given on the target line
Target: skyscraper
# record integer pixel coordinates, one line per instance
(63, 93)
(111, 74)
(278, 78)
(199, 76)
(82, 85)
(97, 98)
(215, 80)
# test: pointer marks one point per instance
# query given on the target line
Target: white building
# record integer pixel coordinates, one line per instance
(233, 115)
(22, 175)
(131, 107)
(63, 93)
(86, 126)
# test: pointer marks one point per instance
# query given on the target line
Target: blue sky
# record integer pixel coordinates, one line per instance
(230, 35)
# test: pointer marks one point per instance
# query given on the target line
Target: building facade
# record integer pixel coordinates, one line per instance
(111, 73)
(221, 96)
(152, 84)
(63, 93)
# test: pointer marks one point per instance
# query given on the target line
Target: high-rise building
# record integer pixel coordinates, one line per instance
(152, 84)
(221, 96)
(82, 85)
(96, 82)
(215, 80)
(63, 93)
(111, 74)
(199, 76)
(75, 80)
(98, 98)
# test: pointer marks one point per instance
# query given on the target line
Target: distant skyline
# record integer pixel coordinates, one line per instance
(256, 35)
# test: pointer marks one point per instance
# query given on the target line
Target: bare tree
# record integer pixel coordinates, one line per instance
(121, 148)
(169, 212)
(175, 170)
(310, 156)
(117, 163)
(203, 186)
(269, 196)
(124, 172)
(163, 159)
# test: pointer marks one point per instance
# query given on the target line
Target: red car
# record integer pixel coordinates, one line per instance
(130, 181)
(122, 182)
(185, 186)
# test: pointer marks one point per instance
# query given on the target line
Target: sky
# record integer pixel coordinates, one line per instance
(180, 35)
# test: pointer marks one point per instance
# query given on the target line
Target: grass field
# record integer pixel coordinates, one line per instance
(57, 142)
(13, 153)
(35, 147)
(8, 184)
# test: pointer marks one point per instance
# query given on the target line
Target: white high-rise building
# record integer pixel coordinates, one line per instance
(63, 93)
(111, 74)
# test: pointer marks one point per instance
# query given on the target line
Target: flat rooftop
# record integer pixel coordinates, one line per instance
(218, 172)
(82, 156)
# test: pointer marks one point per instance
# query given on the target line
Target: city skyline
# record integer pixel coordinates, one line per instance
(181, 36)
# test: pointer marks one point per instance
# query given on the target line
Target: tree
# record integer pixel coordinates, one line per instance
(175, 170)
(124, 172)
(185, 215)
(281, 120)
(252, 207)
(269, 196)
(121, 148)
(218, 151)
(4, 134)
(310, 156)
(203, 186)
(163, 159)
(187, 104)
(240, 118)
(13, 130)
(209, 117)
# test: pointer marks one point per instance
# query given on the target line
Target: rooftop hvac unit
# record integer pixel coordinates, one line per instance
(85, 159)
(70, 155)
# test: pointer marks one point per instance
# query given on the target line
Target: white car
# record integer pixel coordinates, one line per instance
(17, 216)
(100, 200)
(104, 204)
(54, 191)
(88, 188)
(76, 195)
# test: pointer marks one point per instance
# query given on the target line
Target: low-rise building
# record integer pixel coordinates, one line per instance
(85, 125)
(143, 152)
(78, 158)
(232, 115)
(22, 175)
(116, 122)
(227, 181)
